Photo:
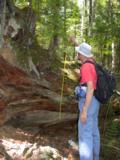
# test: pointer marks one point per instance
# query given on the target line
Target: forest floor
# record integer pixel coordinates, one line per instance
(56, 137)
(59, 137)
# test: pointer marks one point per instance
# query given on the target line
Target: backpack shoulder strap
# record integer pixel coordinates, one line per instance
(88, 61)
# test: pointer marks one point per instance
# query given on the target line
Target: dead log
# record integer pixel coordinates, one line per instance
(20, 93)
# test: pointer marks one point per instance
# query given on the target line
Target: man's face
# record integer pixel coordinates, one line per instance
(80, 57)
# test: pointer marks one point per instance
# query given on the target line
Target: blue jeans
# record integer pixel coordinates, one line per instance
(88, 133)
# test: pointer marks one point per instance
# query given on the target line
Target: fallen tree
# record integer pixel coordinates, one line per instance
(20, 93)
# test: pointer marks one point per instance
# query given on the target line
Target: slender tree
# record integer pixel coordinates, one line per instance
(2, 20)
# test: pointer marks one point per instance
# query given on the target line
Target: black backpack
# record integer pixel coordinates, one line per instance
(106, 83)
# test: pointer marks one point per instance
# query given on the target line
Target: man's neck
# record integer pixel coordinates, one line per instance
(87, 59)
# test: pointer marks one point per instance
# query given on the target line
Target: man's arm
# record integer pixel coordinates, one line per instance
(89, 95)
(73, 40)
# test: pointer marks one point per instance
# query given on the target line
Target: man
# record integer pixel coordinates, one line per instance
(88, 132)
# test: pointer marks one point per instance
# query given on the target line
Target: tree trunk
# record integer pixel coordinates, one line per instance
(4, 5)
(90, 16)
(117, 57)
(2, 20)
(94, 9)
(82, 23)
(113, 55)
(52, 46)
(10, 6)
(86, 17)
(31, 19)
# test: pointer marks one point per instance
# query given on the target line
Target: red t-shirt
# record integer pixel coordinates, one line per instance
(88, 73)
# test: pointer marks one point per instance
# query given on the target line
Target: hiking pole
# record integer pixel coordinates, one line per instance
(62, 87)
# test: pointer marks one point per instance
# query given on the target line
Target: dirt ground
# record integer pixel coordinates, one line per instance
(58, 137)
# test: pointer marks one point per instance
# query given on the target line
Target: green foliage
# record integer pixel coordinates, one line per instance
(105, 27)
(57, 18)
(111, 139)
(21, 3)
(61, 18)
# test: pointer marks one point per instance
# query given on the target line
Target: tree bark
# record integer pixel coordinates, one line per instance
(90, 16)
(52, 46)
(117, 57)
(2, 20)
(20, 93)
(10, 6)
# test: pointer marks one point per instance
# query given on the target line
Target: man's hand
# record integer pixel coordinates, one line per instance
(77, 73)
(83, 116)
(72, 40)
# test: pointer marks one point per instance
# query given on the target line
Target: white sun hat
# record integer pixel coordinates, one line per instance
(84, 49)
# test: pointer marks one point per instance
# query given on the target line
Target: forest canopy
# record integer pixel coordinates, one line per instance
(49, 23)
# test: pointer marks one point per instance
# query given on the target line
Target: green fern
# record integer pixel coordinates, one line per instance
(111, 140)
